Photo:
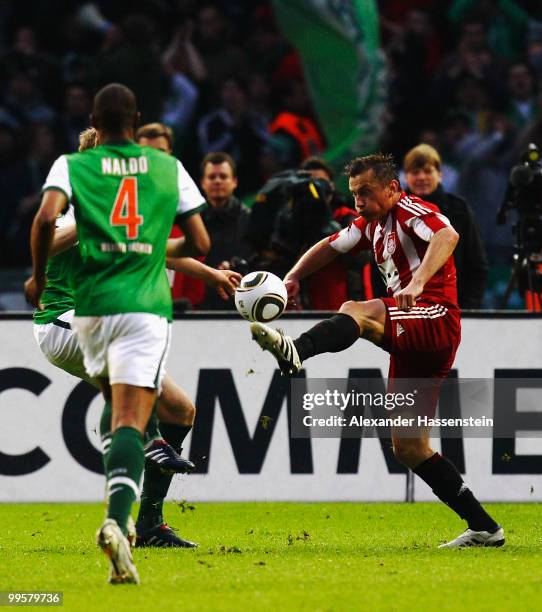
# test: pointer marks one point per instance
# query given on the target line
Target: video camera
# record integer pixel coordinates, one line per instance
(524, 194)
(291, 212)
(306, 198)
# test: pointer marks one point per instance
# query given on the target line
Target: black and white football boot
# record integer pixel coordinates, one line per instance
(280, 346)
(160, 454)
(476, 538)
(162, 536)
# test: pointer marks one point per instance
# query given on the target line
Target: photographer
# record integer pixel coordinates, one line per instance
(422, 166)
(226, 220)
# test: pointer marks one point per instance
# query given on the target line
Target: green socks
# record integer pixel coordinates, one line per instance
(125, 463)
(105, 432)
(124, 458)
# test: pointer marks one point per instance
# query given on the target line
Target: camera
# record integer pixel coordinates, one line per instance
(524, 191)
(291, 212)
(524, 195)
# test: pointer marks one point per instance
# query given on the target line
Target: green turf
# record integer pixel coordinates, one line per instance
(280, 556)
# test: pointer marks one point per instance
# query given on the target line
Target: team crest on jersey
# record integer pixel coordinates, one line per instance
(391, 243)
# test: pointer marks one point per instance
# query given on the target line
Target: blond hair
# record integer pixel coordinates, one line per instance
(155, 130)
(88, 139)
(420, 156)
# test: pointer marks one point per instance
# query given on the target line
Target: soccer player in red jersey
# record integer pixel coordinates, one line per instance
(418, 323)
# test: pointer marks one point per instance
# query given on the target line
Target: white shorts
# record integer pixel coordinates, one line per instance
(129, 348)
(60, 346)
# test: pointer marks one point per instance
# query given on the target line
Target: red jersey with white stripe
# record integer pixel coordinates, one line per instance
(399, 242)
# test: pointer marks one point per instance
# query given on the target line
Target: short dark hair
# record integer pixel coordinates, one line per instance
(219, 157)
(383, 167)
(114, 108)
(155, 130)
(317, 163)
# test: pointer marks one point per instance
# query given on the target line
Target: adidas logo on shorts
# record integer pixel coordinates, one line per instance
(400, 329)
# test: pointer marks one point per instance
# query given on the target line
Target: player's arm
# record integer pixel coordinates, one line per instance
(350, 239)
(194, 243)
(224, 281)
(318, 256)
(64, 238)
(441, 246)
(41, 239)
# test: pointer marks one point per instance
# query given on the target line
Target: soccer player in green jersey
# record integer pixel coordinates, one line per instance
(126, 198)
(175, 410)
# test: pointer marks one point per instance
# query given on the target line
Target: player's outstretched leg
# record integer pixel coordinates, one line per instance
(176, 413)
(280, 346)
(446, 483)
(339, 332)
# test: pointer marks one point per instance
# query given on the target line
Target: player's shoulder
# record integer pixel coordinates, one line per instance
(365, 227)
(412, 206)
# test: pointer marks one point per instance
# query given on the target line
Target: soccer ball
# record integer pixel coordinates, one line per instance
(261, 296)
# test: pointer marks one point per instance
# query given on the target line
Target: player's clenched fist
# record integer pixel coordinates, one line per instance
(33, 290)
(406, 298)
(292, 287)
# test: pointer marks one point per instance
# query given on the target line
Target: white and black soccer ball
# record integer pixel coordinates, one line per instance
(261, 296)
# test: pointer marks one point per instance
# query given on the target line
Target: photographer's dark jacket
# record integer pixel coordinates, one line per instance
(227, 228)
(469, 255)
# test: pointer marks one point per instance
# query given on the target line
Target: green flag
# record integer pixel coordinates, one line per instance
(344, 68)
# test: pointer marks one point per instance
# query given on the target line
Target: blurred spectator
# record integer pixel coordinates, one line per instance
(521, 85)
(472, 61)
(180, 103)
(484, 169)
(295, 127)
(237, 130)
(226, 220)
(22, 102)
(422, 166)
(26, 55)
(135, 61)
(222, 59)
(21, 187)
(507, 23)
(182, 57)
(534, 48)
(76, 115)
(414, 51)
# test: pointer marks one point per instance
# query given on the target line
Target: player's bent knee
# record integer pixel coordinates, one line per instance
(369, 315)
(410, 454)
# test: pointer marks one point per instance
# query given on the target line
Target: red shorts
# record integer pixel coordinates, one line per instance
(422, 343)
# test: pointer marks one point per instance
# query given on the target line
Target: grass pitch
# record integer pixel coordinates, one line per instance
(280, 556)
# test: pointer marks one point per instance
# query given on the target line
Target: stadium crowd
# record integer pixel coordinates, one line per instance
(462, 76)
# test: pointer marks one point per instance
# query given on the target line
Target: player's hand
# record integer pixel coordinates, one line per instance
(33, 290)
(225, 282)
(406, 298)
(292, 287)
